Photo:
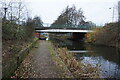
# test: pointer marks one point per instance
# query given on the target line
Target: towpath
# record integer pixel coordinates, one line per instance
(38, 64)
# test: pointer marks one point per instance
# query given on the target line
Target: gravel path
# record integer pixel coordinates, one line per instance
(38, 64)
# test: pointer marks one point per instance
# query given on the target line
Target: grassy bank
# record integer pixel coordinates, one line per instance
(17, 39)
(24, 69)
(11, 63)
(71, 66)
(107, 35)
(65, 73)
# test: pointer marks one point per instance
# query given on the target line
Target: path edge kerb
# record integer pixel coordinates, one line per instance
(18, 59)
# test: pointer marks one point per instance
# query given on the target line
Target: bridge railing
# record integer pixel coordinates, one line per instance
(71, 26)
(64, 26)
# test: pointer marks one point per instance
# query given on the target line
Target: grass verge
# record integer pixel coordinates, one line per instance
(65, 73)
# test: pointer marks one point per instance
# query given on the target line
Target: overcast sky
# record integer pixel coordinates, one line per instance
(96, 11)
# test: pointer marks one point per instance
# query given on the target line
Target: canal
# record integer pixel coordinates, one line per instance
(107, 58)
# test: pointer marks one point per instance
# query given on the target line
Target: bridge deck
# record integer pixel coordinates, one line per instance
(64, 31)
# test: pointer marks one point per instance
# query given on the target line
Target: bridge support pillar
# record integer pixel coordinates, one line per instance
(78, 36)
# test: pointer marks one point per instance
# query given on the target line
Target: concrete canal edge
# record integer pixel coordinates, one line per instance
(15, 62)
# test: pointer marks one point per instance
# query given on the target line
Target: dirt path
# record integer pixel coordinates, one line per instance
(38, 64)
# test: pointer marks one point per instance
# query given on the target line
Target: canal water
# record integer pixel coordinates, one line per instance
(108, 58)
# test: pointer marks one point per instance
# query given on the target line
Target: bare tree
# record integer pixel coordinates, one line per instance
(14, 10)
(3, 8)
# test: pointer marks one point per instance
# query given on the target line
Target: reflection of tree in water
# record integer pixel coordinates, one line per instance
(117, 67)
(107, 57)
(108, 53)
(89, 48)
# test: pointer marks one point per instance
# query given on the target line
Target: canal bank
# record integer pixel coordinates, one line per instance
(107, 58)
(76, 69)
(9, 66)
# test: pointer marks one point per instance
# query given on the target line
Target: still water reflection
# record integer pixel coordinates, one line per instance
(108, 58)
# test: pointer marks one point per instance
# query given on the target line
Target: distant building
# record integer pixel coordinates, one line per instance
(119, 11)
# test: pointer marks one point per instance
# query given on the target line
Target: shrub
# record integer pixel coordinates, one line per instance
(78, 69)
(106, 35)
(13, 31)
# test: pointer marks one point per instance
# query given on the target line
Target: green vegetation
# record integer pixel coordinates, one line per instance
(15, 38)
(17, 34)
(35, 22)
(107, 35)
(16, 41)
